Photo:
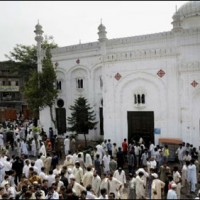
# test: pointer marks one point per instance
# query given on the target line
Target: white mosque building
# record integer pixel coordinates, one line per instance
(142, 86)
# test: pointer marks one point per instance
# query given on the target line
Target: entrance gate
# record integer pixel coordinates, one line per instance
(141, 124)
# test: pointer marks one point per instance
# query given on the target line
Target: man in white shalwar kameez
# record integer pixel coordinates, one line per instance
(78, 172)
(76, 187)
(114, 185)
(184, 174)
(140, 186)
(47, 163)
(120, 176)
(177, 180)
(96, 181)
(39, 164)
(146, 174)
(106, 161)
(33, 148)
(104, 182)
(69, 161)
(43, 149)
(88, 160)
(192, 176)
(100, 151)
(24, 147)
(67, 145)
(26, 167)
(87, 177)
(156, 187)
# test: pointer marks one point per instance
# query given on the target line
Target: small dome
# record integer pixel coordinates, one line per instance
(38, 27)
(102, 32)
(189, 9)
(188, 15)
(101, 27)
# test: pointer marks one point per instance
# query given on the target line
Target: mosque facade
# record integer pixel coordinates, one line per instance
(142, 86)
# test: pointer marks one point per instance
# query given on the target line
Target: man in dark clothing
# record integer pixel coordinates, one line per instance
(17, 166)
(64, 179)
(97, 165)
(52, 138)
(10, 138)
(120, 158)
(54, 161)
(58, 147)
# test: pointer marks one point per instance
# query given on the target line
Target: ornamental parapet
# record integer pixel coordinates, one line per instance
(140, 54)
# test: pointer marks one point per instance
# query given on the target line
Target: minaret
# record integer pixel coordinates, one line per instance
(102, 33)
(176, 21)
(39, 38)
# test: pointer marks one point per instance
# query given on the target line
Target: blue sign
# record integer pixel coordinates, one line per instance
(157, 131)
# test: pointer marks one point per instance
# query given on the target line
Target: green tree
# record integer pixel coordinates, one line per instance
(82, 117)
(40, 89)
(24, 57)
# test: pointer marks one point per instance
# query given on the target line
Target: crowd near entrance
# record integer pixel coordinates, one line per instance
(141, 124)
(35, 164)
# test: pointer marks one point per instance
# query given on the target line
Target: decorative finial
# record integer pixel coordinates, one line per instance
(38, 21)
(176, 8)
(101, 21)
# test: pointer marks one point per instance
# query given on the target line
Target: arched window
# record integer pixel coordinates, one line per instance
(143, 99)
(59, 85)
(138, 99)
(79, 83)
(135, 98)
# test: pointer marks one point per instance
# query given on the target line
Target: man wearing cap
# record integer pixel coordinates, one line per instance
(69, 161)
(172, 192)
(156, 187)
(76, 187)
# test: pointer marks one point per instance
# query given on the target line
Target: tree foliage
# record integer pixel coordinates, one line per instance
(25, 57)
(47, 81)
(82, 117)
(40, 89)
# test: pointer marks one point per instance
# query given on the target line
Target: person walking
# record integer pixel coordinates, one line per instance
(131, 187)
(157, 186)
(192, 176)
(67, 145)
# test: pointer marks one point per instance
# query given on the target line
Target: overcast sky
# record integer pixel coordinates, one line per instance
(71, 21)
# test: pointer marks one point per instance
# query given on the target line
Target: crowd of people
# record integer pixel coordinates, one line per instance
(34, 166)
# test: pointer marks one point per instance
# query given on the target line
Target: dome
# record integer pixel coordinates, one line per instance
(189, 9)
(101, 27)
(38, 27)
(187, 16)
